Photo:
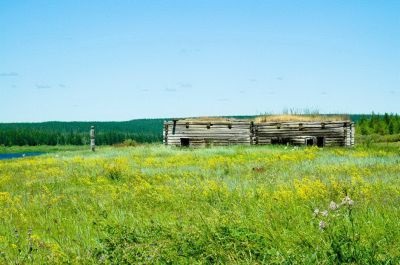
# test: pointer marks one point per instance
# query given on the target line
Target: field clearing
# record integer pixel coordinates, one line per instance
(156, 204)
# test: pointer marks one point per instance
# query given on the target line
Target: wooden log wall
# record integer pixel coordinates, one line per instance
(334, 133)
(203, 133)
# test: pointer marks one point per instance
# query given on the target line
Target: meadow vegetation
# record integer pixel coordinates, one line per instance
(235, 205)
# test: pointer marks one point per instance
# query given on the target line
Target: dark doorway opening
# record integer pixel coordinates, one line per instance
(280, 140)
(185, 142)
(274, 140)
(320, 141)
(309, 141)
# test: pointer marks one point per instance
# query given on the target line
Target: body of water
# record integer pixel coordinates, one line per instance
(19, 155)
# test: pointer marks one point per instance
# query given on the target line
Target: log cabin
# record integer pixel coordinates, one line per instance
(288, 130)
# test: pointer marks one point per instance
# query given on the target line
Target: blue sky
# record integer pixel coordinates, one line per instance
(120, 60)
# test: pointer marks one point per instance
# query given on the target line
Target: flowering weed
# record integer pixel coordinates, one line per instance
(156, 204)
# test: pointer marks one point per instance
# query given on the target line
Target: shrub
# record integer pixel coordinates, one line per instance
(129, 142)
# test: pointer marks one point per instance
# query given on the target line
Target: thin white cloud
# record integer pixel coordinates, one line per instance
(9, 74)
(42, 86)
(171, 90)
(185, 85)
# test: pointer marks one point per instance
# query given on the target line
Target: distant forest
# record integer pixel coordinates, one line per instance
(77, 133)
(387, 124)
(142, 130)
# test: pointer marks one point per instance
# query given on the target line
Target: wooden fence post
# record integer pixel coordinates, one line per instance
(92, 139)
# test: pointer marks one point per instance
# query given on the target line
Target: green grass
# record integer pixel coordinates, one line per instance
(153, 204)
(41, 148)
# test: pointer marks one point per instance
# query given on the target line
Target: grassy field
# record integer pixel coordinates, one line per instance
(40, 148)
(235, 205)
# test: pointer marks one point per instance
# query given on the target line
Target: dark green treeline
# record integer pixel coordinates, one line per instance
(142, 130)
(387, 124)
(77, 133)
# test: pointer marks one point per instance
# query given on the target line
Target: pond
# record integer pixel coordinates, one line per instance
(19, 155)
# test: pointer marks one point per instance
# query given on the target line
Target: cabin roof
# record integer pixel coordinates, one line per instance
(271, 118)
(301, 118)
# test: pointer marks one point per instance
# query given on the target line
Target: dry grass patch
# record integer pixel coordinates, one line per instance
(304, 118)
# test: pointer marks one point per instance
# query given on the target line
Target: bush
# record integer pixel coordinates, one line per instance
(129, 142)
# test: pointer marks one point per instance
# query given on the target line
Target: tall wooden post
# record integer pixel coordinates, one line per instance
(92, 138)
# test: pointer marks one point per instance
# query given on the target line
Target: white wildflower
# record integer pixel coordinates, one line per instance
(322, 225)
(347, 200)
(316, 212)
(333, 206)
(324, 213)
